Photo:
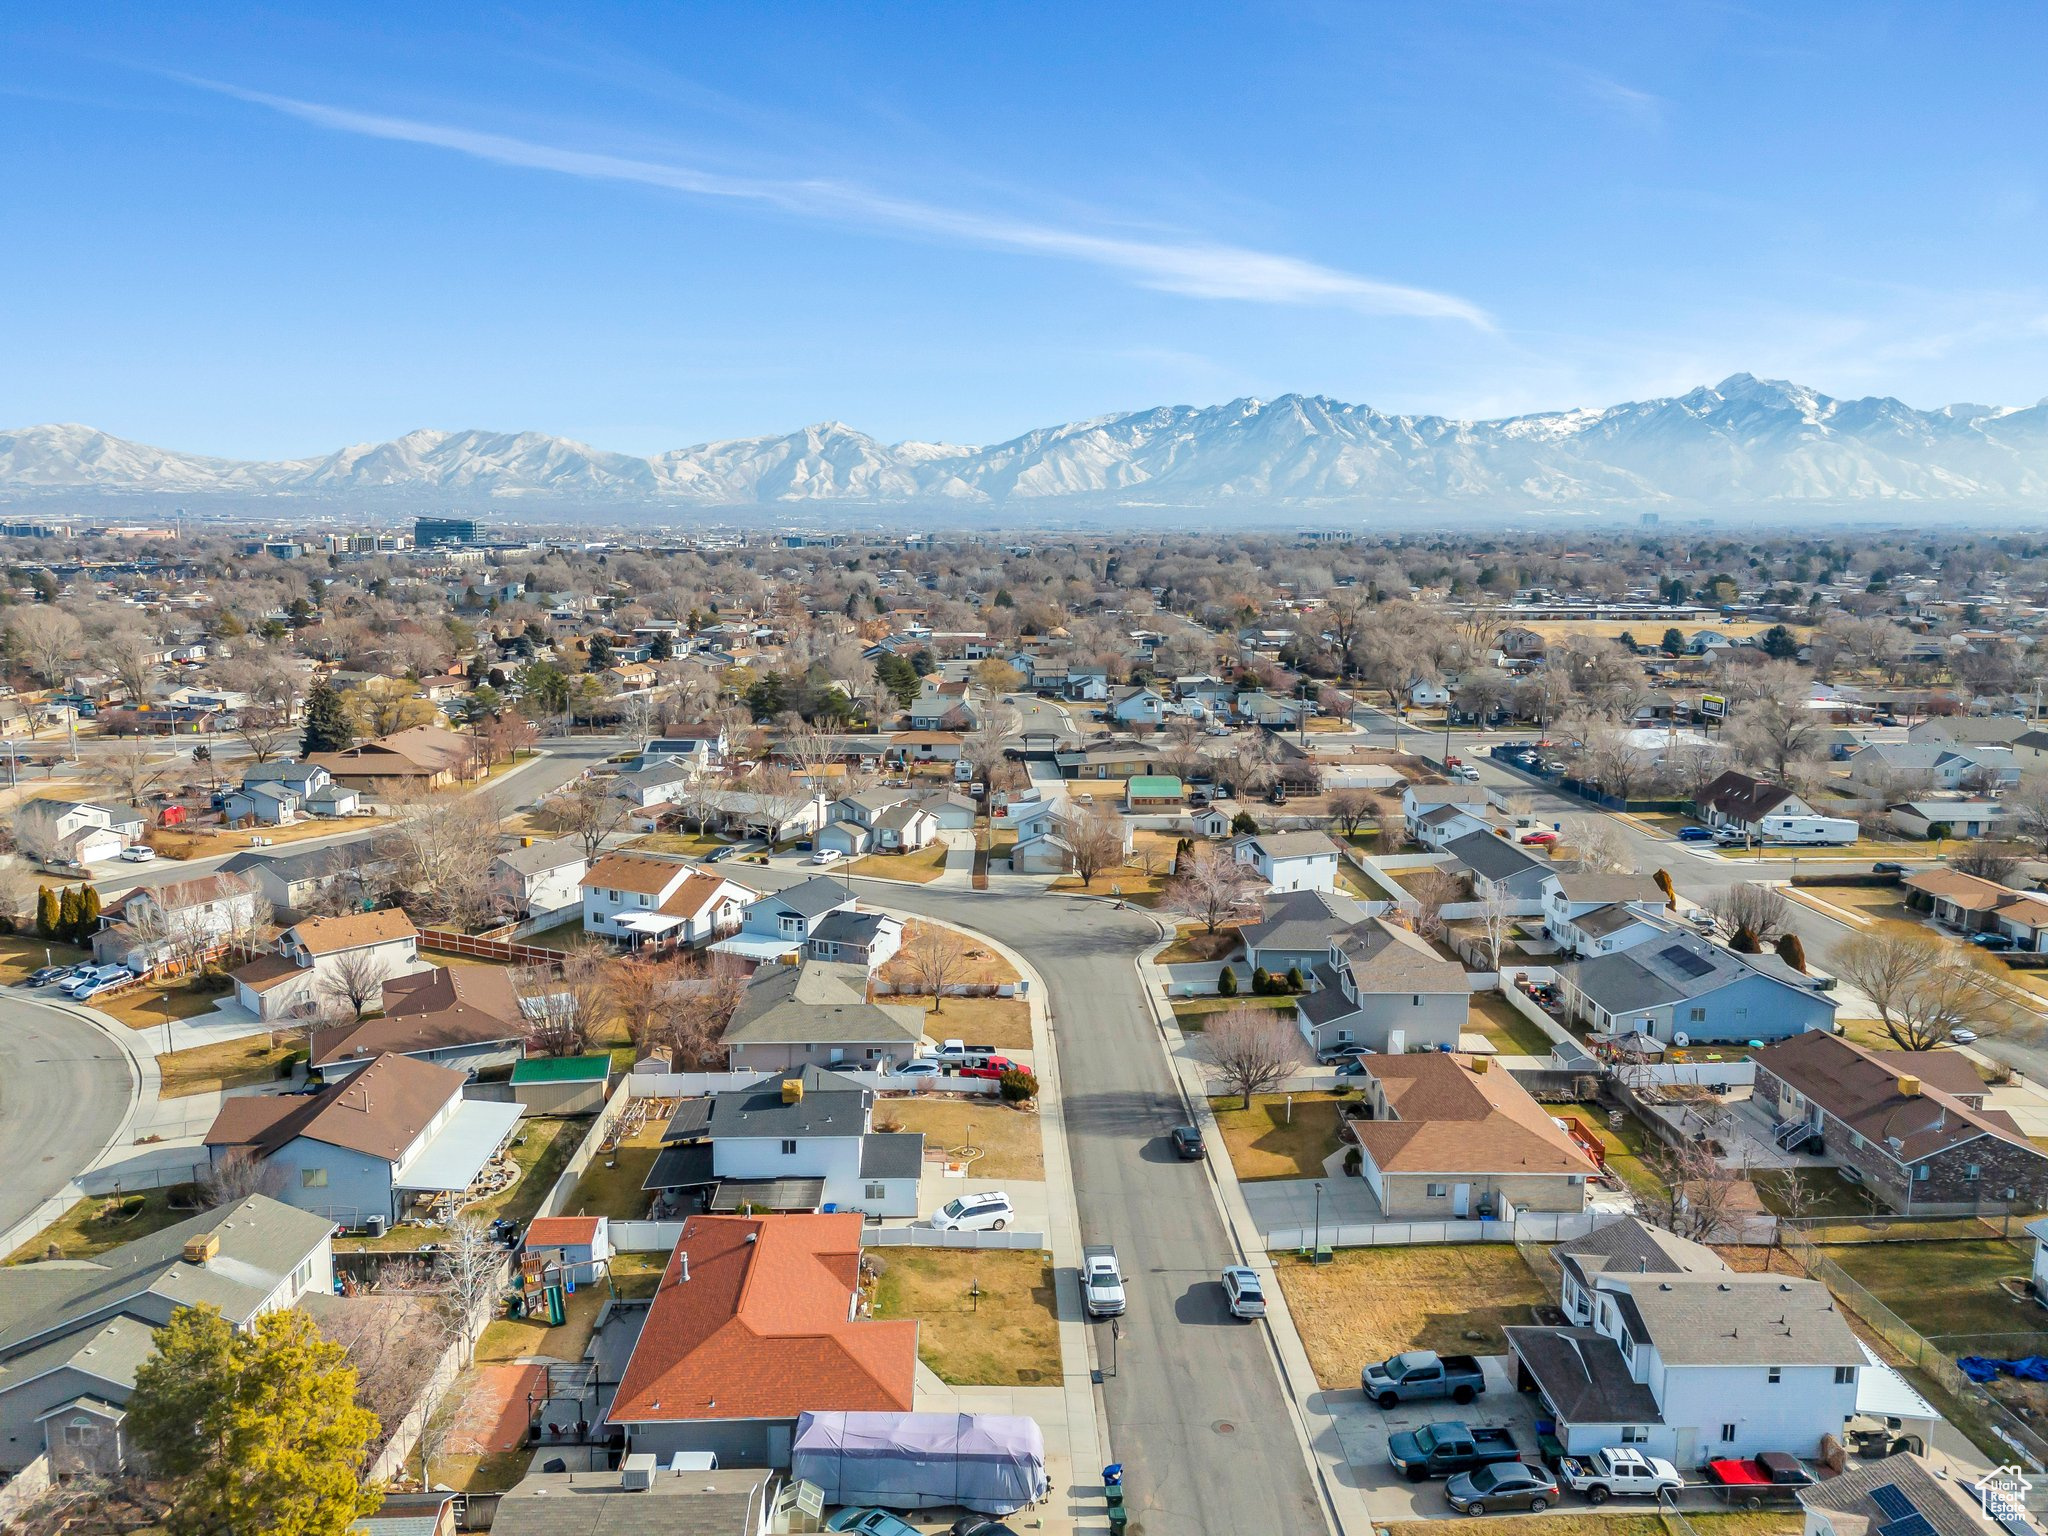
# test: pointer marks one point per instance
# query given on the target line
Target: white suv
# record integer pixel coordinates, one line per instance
(988, 1211)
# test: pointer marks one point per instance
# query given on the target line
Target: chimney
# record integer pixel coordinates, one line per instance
(792, 1090)
(200, 1249)
(683, 1259)
(1909, 1087)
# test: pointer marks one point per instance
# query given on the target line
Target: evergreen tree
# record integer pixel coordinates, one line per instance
(600, 653)
(70, 913)
(330, 727)
(661, 648)
(1226, 983)
(89, 913)
(47, 912)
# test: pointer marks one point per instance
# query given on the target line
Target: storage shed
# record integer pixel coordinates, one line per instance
(562, 1085)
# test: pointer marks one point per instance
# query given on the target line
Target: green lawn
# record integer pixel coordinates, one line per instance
(100, 1222)
(1275, 1139)
(1495, 1017)
(1945, 1286)
(1193, 1012)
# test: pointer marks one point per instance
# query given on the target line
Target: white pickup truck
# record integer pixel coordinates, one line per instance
(1102, 1283)
(1619, 1473)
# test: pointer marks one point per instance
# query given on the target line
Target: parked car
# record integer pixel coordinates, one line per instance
(1241, 1290)
(1502, 1485)
(1963, 1036)
(719, 855)
(1187, 1141)
(1771, 1469)
(1993, 940)
(1102, 1281)
(1421, 1373)
(42, 976)
(1701, 919)
(1619, 1472)
(989, 1066)
(1449, 1447)
(917, 1066)
(1350, 1066)
(1543, 837)
(959, 1053)
(138, 853)
(989, 1211)
(1695, 835)
(1887, 867)
(870, 1522)
(96, 978)
(1345, 1052)
(826, 856)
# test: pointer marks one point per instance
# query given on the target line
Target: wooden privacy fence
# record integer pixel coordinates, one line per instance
(446, 942)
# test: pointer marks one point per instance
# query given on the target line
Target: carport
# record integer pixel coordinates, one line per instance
(458, 1151)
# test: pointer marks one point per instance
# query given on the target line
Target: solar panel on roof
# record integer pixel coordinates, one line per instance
(1894, 1504)
(1915, 1524)
(1679, 958)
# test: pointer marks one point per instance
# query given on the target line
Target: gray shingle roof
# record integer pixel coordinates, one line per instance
(1493, 857)
(1302, 920)
(1671, 969)
(818, 1003)
(810, 898)
(831, 1105)
(849, 928)
(892, 1155)
(1740, 1319)
(1583, 1374)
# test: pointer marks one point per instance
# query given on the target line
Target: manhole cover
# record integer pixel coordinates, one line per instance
(1224, 1427)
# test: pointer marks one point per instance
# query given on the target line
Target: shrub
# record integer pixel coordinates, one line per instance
(1018, 1085)
(1244, 824)
(1353, 1161)
(1226, 983)
(1294, 982)
(1262, 981)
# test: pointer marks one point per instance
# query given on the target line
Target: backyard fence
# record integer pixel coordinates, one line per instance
(1987, 1421)
(688, 1085)
(444, 941)
(929, 1237)
(564, 1188)
(1524, 1227)
(644, 1236)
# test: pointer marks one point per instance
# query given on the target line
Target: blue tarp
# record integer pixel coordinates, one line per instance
(1981, 1369)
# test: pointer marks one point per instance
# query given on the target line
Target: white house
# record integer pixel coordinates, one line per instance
(323, 960)
(1952, 818)
(850, 937)
(80, 831)
(779, 923)
(365, 1148)
(1418, 801)
(541, 877)
(1137, 706)
(1697, 1366)
(879, 818)
(1596, 914)
(1290, 861)
(644, 899)
(1380, 985)
(181, 920)
(795, 1141)
(1427, 695)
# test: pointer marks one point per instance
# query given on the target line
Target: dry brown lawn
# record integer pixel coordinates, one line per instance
(1273, 1141)
(1369, 1303)
(1193, 944)
(1003, 1022)
(213, 842)
(1495, 1017)
(1010, 1142)
(919, 868)
(23, 953)
(141, 1007)
(519, 1338)
(222, 1065)
(982, 967)
(1008, 1336)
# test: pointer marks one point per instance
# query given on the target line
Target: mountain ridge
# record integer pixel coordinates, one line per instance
(1745, 441)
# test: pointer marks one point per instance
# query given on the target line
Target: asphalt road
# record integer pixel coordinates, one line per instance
(1196, 1410)
(64, 1088)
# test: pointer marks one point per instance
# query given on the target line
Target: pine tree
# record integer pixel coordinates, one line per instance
(329, 725)
(89, 913)
(600, 653)
(661, 648)
(47, 912)
(69, 911)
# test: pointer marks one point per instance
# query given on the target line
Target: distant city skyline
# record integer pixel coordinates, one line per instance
(257, 234)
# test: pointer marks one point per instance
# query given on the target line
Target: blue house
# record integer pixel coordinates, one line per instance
(1682, 990)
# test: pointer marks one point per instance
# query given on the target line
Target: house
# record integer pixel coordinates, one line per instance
(294, 881)
(773, 818)
(1627, 1246)
(644, 899)
(78, 831)
(1106, 758)
(1695, 1366)
(298, 787)
(1504, 870)
(777, 923)
(1294, 929)
(1419, 801)
(325, 959)
(1449, 1137)
(788, 1141)
(1381, 985)
(818, 1014)
(180, 920)
(426, 755)
(1290, 861)
(854, 825)
(1737, 801)
(575, 1248)
(756, 1321)
(943, 705)
(1967, 903)
(665, 781)
(1263, 708)
(1598, 914)
(855, 938)
(1934, 818)
(950, 810)
(75, 1330)
(1885, 766)
(1137, 706)
(465, 1017)
(1899, 1494)
(707, 741)
(2025, 922)
(1912, 1124)
(726, 1501)
(1428, 695)
(904, 828)
(1154, 792)
(1682, 990)
(540, 877)
(925, 746)
(362, 1150)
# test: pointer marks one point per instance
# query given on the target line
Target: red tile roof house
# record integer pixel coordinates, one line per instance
(757, 1321)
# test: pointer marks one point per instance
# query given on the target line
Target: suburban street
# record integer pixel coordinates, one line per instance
(64, 1091)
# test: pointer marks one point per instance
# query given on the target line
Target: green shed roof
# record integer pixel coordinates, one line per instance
(563, 1069)
(1152, 786)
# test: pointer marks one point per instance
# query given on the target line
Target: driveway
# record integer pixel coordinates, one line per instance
(1364, 1428)
(1279, 1204)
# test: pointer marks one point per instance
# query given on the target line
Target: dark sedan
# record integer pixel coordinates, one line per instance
(1187, 1141)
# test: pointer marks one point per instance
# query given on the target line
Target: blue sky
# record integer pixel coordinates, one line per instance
(276, 230)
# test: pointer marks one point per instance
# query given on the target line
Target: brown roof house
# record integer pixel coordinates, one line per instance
(1912, 1124)
(324, 964)
(422, 754)
(755, 1322)
(362, 1151)
(466, 1017)
(1450, 1137)
(647, 901)
(178, 921)
(1738, 801)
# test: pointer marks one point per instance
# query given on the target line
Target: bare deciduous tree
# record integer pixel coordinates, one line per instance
(1496, 920)
(354, 980)
(1210, 885)
(590, 812)
(934, 958)
(1749, 915)
(1433, 890)
(1923, 987)
(1696, 1191)
(1599, 846)
(132, 770)
(47, 638)
(467, 1266)
(1096, 836)
(441, 848)
(237, 1176)
(1350, 809)
(1253, 1050)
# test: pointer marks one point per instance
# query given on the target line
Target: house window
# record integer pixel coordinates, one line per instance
(1972, 1172)
(611, 895)
(1775, 1375)
(1436, 1191)
(81, 1432)
(1728, 1433)
(312, 1178)
(1415, 1000)
(788, 1148)
(1921, 1173)
(1635, 1434)
(1698, 1016)
(877, 1192)
(1845, 1375)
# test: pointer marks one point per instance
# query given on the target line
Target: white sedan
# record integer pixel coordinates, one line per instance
(139, 853)
(826, 856)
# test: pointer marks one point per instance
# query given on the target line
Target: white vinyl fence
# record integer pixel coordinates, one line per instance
(1527, 1227)
(688, 1085)
(645, 1236)
(927, 1237)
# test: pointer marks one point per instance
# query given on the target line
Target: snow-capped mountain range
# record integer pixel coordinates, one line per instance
(1745, 442)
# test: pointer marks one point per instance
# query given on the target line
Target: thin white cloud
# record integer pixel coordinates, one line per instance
(1201, 268)
(1606, 91)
